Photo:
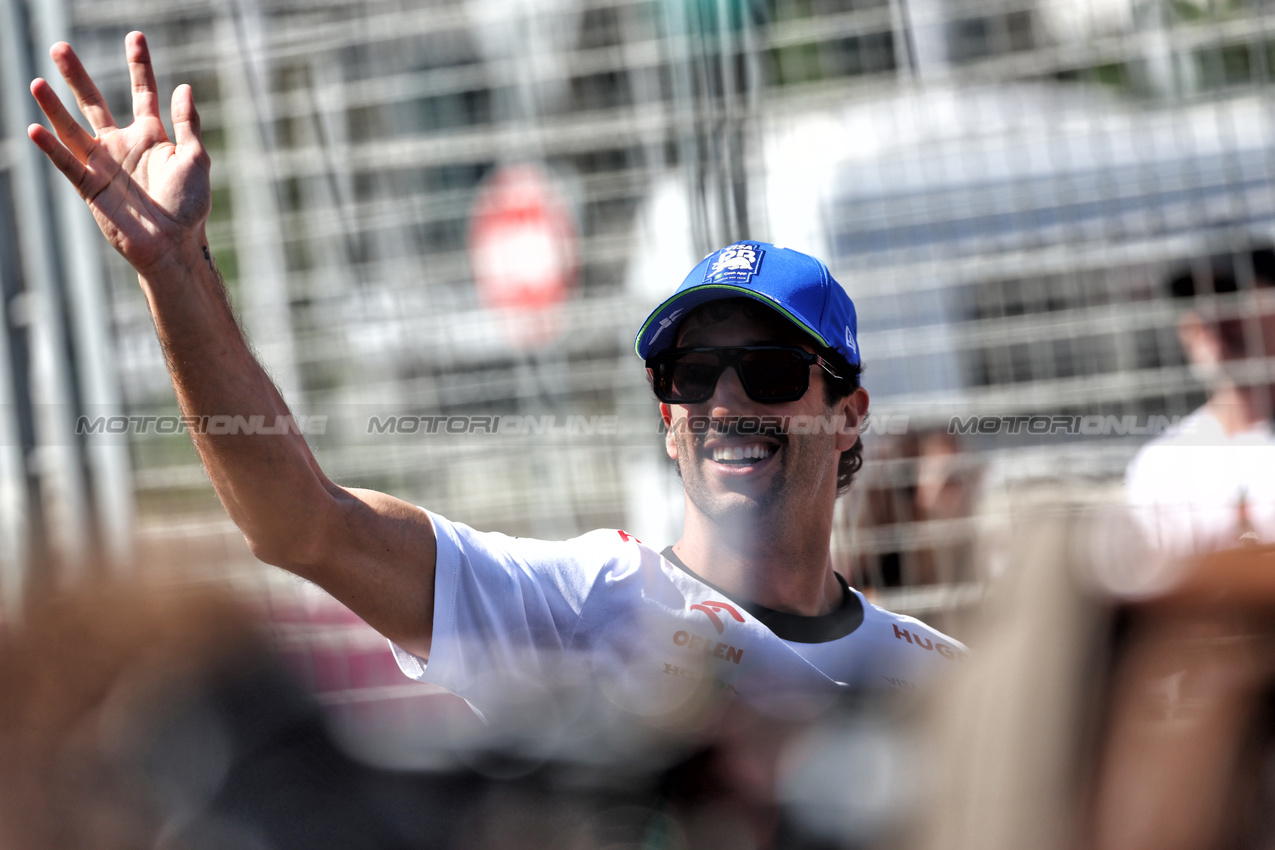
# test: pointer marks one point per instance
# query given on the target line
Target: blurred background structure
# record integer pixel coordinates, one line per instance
(465, 207)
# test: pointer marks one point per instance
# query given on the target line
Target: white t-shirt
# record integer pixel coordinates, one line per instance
(1197, 489)
(515, 616)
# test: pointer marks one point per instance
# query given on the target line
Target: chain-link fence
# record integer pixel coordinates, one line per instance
(1003, 187)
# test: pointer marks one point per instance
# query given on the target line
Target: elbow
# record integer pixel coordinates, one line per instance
(265, 550)
(295, 552)
(297, 539)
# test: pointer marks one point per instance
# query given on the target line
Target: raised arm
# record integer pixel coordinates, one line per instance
(151, 197)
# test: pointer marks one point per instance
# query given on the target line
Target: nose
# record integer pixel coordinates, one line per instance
(729, 393)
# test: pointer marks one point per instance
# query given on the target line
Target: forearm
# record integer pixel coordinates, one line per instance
(268, 482)
(372, 552)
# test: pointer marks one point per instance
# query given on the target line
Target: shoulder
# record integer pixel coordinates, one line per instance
(600, 542)
(1159, 457)
(908, 635)
(610, 553)
(1196, 457)
(1200, 427)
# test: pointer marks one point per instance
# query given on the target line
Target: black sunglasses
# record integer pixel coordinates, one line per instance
(770, 374)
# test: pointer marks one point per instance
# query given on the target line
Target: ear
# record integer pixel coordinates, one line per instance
(1199, 341)
(670, 439)
(853, 408)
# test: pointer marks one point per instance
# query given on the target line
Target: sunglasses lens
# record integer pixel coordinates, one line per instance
(769, 375)
(690, 377)
(774, 375)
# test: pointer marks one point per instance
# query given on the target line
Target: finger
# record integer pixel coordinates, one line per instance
(142, 76)
(90, 100)
(75, 137)
(62, 159)
(186, 119)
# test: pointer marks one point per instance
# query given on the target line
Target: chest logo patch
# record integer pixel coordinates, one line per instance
(712, 608)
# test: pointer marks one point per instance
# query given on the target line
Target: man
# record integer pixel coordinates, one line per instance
(746, 602)
(1209, 483)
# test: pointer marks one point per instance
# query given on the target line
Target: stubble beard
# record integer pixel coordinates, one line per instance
(746, 515)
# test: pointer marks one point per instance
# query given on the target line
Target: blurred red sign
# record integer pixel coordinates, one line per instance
(522, 248)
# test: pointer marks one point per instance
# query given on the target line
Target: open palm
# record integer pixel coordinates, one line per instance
(147, 193)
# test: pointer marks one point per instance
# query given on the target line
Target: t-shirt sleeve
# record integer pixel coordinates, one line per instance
(907, 652)
(505, 609)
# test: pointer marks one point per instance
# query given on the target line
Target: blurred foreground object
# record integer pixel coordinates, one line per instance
(135, 716)
(1107, 710)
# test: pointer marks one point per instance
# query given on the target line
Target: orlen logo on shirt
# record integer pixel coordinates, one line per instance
(707, 646)
(712, 608)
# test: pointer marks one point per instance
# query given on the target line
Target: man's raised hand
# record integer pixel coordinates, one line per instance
(149, 195)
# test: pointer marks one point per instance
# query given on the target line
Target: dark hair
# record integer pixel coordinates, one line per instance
(835, 389)
(1225, 273)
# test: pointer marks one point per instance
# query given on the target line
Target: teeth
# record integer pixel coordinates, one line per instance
(754, 451)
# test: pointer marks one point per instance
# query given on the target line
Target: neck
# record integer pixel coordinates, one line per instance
(1236, 409)
(790, 571)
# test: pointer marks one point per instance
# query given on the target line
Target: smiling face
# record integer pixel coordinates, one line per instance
(757, 482)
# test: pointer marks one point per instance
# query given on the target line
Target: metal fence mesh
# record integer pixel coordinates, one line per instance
(1003, 188)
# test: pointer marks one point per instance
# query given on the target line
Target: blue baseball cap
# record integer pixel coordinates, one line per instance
(795, 285)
